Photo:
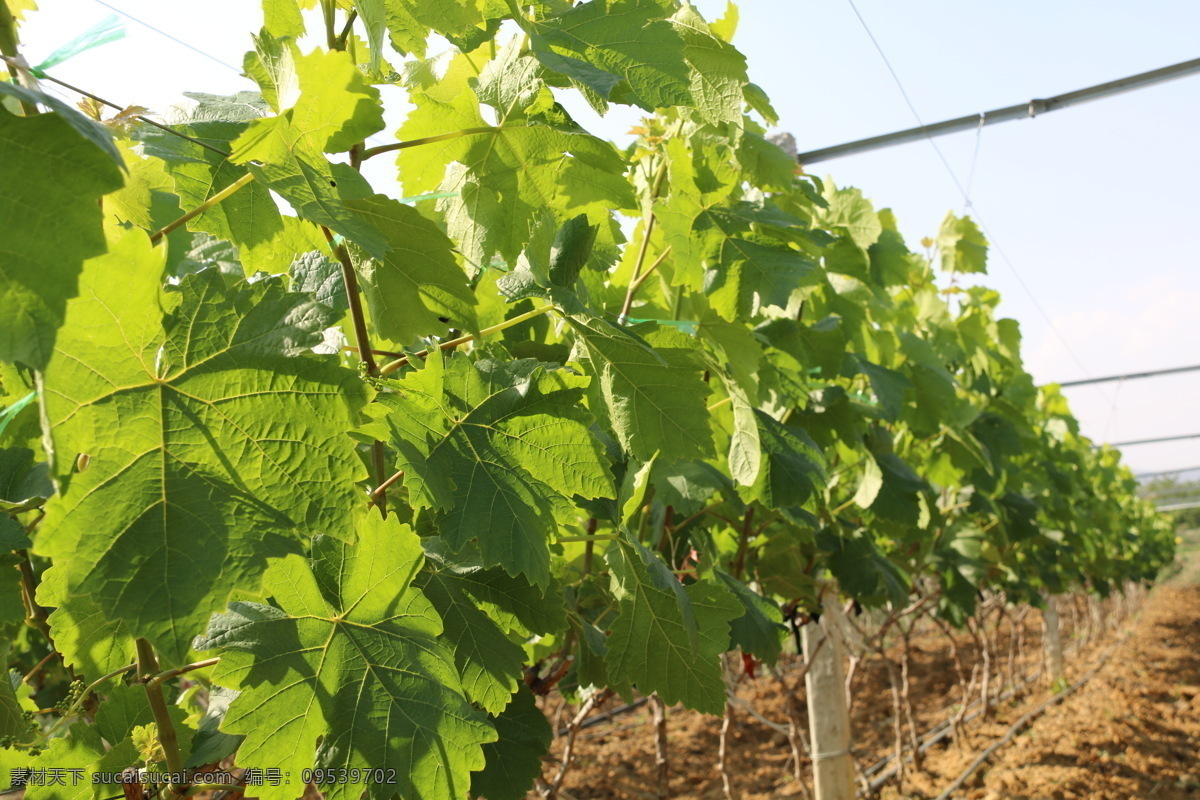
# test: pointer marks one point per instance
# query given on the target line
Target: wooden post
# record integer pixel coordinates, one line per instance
(1052, 640)
(829, 718)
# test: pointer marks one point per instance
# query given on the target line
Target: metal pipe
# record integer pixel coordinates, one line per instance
(1152, 441)
(1130, 376)
(1029, 109)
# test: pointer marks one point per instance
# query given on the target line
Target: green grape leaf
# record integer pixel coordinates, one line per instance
(283, 18)
(792, 466)
(350, 655)
(53, 175)
(654, 397)
(283, 160)
(745, 444)
(210, 744)
(498, 449)
(848, 209)
(899, 486)
(12, 535)
(514, 760)
(319, 274)
(81, 749)
(23, 483)
(410, 21)
(715, 247)
(236, 441)
(12, 607)
(718, 70)
(337, 108)
(206, 252)
(760, 630)
(488, 661)
(90, 639)
(418, 280)
(861, 570)
(500, 177)
(961, 245)
(236, 107)
(889, 387)
(272, 65)
(511, 602)
(623, 50)
(633, 490)
(668, 638)
(751, 273)
(124, 709)
(94, 132)
(12, 717)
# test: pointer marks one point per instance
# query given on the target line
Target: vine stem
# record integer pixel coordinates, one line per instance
(147, 666)
(365, 353)
(589, 546)
(350, 279)
(739, 562)
(637, 283)
(29, 676)
(12, 55)
(639, 278)
(348, 29)
(36, 615)
(371, 152)
(662, 760)
(568, 754)
(220, 196)
(392, 366)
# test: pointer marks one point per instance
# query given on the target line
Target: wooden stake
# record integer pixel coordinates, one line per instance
(829, 718)
(1052, 639)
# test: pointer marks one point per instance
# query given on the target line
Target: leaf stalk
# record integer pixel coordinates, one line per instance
(163, 677)
(379, 150)
(392, 366)
(219, 197)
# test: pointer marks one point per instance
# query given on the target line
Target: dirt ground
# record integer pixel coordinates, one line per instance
(1132, 731)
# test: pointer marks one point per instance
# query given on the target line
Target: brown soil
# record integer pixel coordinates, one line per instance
(1131, 731)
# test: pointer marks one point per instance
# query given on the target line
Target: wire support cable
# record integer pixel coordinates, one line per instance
(925, 131)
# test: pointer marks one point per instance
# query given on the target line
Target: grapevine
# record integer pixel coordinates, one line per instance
(327, 485)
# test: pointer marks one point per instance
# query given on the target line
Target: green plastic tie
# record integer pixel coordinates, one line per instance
(416, 198)
(685, 325)
(106, 30)
(10, 413)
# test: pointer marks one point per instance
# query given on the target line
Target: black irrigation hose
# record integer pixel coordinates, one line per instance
(1020, 724)
(608, 715)
(943, 730)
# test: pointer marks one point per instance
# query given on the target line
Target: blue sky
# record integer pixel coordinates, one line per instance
(1094, 206)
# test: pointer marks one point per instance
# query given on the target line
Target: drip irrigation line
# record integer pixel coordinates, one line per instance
(600, 719)
(1024, 721)
(943, 730)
